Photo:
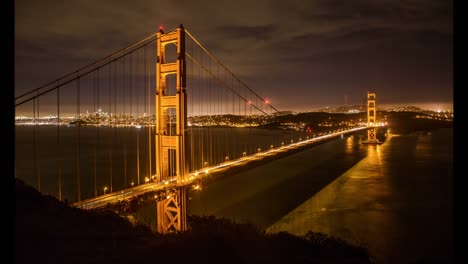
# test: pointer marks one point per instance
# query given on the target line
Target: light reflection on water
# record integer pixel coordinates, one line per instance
(397, 202)
(264, 194)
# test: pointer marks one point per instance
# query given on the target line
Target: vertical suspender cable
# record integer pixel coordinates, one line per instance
(124, 97)
(58, 147)
(130, 77)
(125, 160)
(191, 111)
(138, 155)
(137, 131)
(124, 138)
(108, 118)
(114, 113)
(137, 81)
(231, 138)
(148, 114)
(245, 116)
(219, 112)
(200, 104)
(38, 142)
(136, 120)
(98, 93)
(126, 124)
(226, 105)
(34, 144)
(115, 88)
(78, 140)
(110, 165)
(98, 129)
(211, 119)
(95, 172)
(110, 93)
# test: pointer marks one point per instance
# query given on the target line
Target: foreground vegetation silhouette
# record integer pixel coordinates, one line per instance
(49, 231)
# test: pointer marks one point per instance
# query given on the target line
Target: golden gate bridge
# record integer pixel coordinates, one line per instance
(148, 123)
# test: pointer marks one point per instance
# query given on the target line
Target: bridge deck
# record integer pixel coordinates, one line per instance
(114, 197)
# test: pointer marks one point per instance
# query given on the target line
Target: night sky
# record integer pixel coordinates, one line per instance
(300, 54)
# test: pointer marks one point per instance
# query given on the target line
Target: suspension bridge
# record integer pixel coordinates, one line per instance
(150, 121)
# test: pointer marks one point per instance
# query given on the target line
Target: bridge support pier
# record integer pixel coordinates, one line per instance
(172, 212)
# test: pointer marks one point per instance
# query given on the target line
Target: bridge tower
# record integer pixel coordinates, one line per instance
(371, 118)
(171, 122)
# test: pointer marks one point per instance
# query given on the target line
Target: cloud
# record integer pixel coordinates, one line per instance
(256, 33)
(307, 46)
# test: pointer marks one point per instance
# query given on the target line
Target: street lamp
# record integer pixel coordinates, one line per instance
(105, 189)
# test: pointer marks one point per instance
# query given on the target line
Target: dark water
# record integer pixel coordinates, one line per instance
(395, 199)
(117, 157)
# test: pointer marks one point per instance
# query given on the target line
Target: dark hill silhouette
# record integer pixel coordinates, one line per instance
(49, 231)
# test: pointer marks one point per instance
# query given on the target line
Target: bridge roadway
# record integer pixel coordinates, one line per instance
(114, 197)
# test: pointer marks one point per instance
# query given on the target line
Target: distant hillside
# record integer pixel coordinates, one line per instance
(402, 122)
(48, 231)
